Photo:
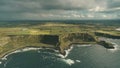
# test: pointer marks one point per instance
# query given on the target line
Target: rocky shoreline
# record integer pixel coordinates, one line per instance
(21, 49)
(106, 44)
(102, 43)
(74, 37)
(64, 42)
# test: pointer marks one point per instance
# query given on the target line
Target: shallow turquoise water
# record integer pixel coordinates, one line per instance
(81, 56)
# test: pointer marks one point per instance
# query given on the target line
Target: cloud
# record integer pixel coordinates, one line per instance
(113, 3)
(51, 4)
(59, 9)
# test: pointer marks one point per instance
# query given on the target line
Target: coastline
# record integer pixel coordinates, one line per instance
(61, 45)
(20, 49)
(27, 48)
(3, 56)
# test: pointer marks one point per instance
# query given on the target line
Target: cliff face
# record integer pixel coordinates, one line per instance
(107, 35)
(50, 39)
(106, 44)
(62, 42)
(81, 38)
(13, 42)
(78, 37)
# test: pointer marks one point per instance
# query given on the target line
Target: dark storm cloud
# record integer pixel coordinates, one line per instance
(49, 4)
(40, 9)
(23, 5)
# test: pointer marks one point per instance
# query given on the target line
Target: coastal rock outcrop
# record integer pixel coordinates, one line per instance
(66, 40)
(106, 44)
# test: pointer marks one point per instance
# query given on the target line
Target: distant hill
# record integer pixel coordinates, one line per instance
(33, 22)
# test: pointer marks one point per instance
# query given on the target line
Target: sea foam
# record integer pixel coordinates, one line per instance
(67, 53)
(68, 61)
(0, 62)
(78, 61)
(84, 45)
(20, 50)
(24, 50)
(118, 29)
(115, 47)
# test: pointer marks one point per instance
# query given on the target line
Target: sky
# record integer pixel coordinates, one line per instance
(59, 9)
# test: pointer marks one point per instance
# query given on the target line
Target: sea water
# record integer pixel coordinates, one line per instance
(79, 56)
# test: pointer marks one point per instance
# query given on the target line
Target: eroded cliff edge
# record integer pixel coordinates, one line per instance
(66, 40)
(9, 43)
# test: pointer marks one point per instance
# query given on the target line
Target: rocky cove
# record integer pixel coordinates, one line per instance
(60, 42)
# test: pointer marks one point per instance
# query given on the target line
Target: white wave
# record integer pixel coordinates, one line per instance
(5, 57)
(52, 49)
(115, 47)
(20, 50)
(63, 58)
(0, 62)
(67, 53)
(24, 50)
(68, 61)
(78, 61)
(118, 29)
(60, 55)
(28, 49)
(56, 50)
(83, 45)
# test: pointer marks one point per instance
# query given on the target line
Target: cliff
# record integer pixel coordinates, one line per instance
(108, 35)
(106, 44)
(66, 40)
(9, 43)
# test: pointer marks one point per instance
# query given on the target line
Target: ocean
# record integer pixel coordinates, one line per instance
(78, 56)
